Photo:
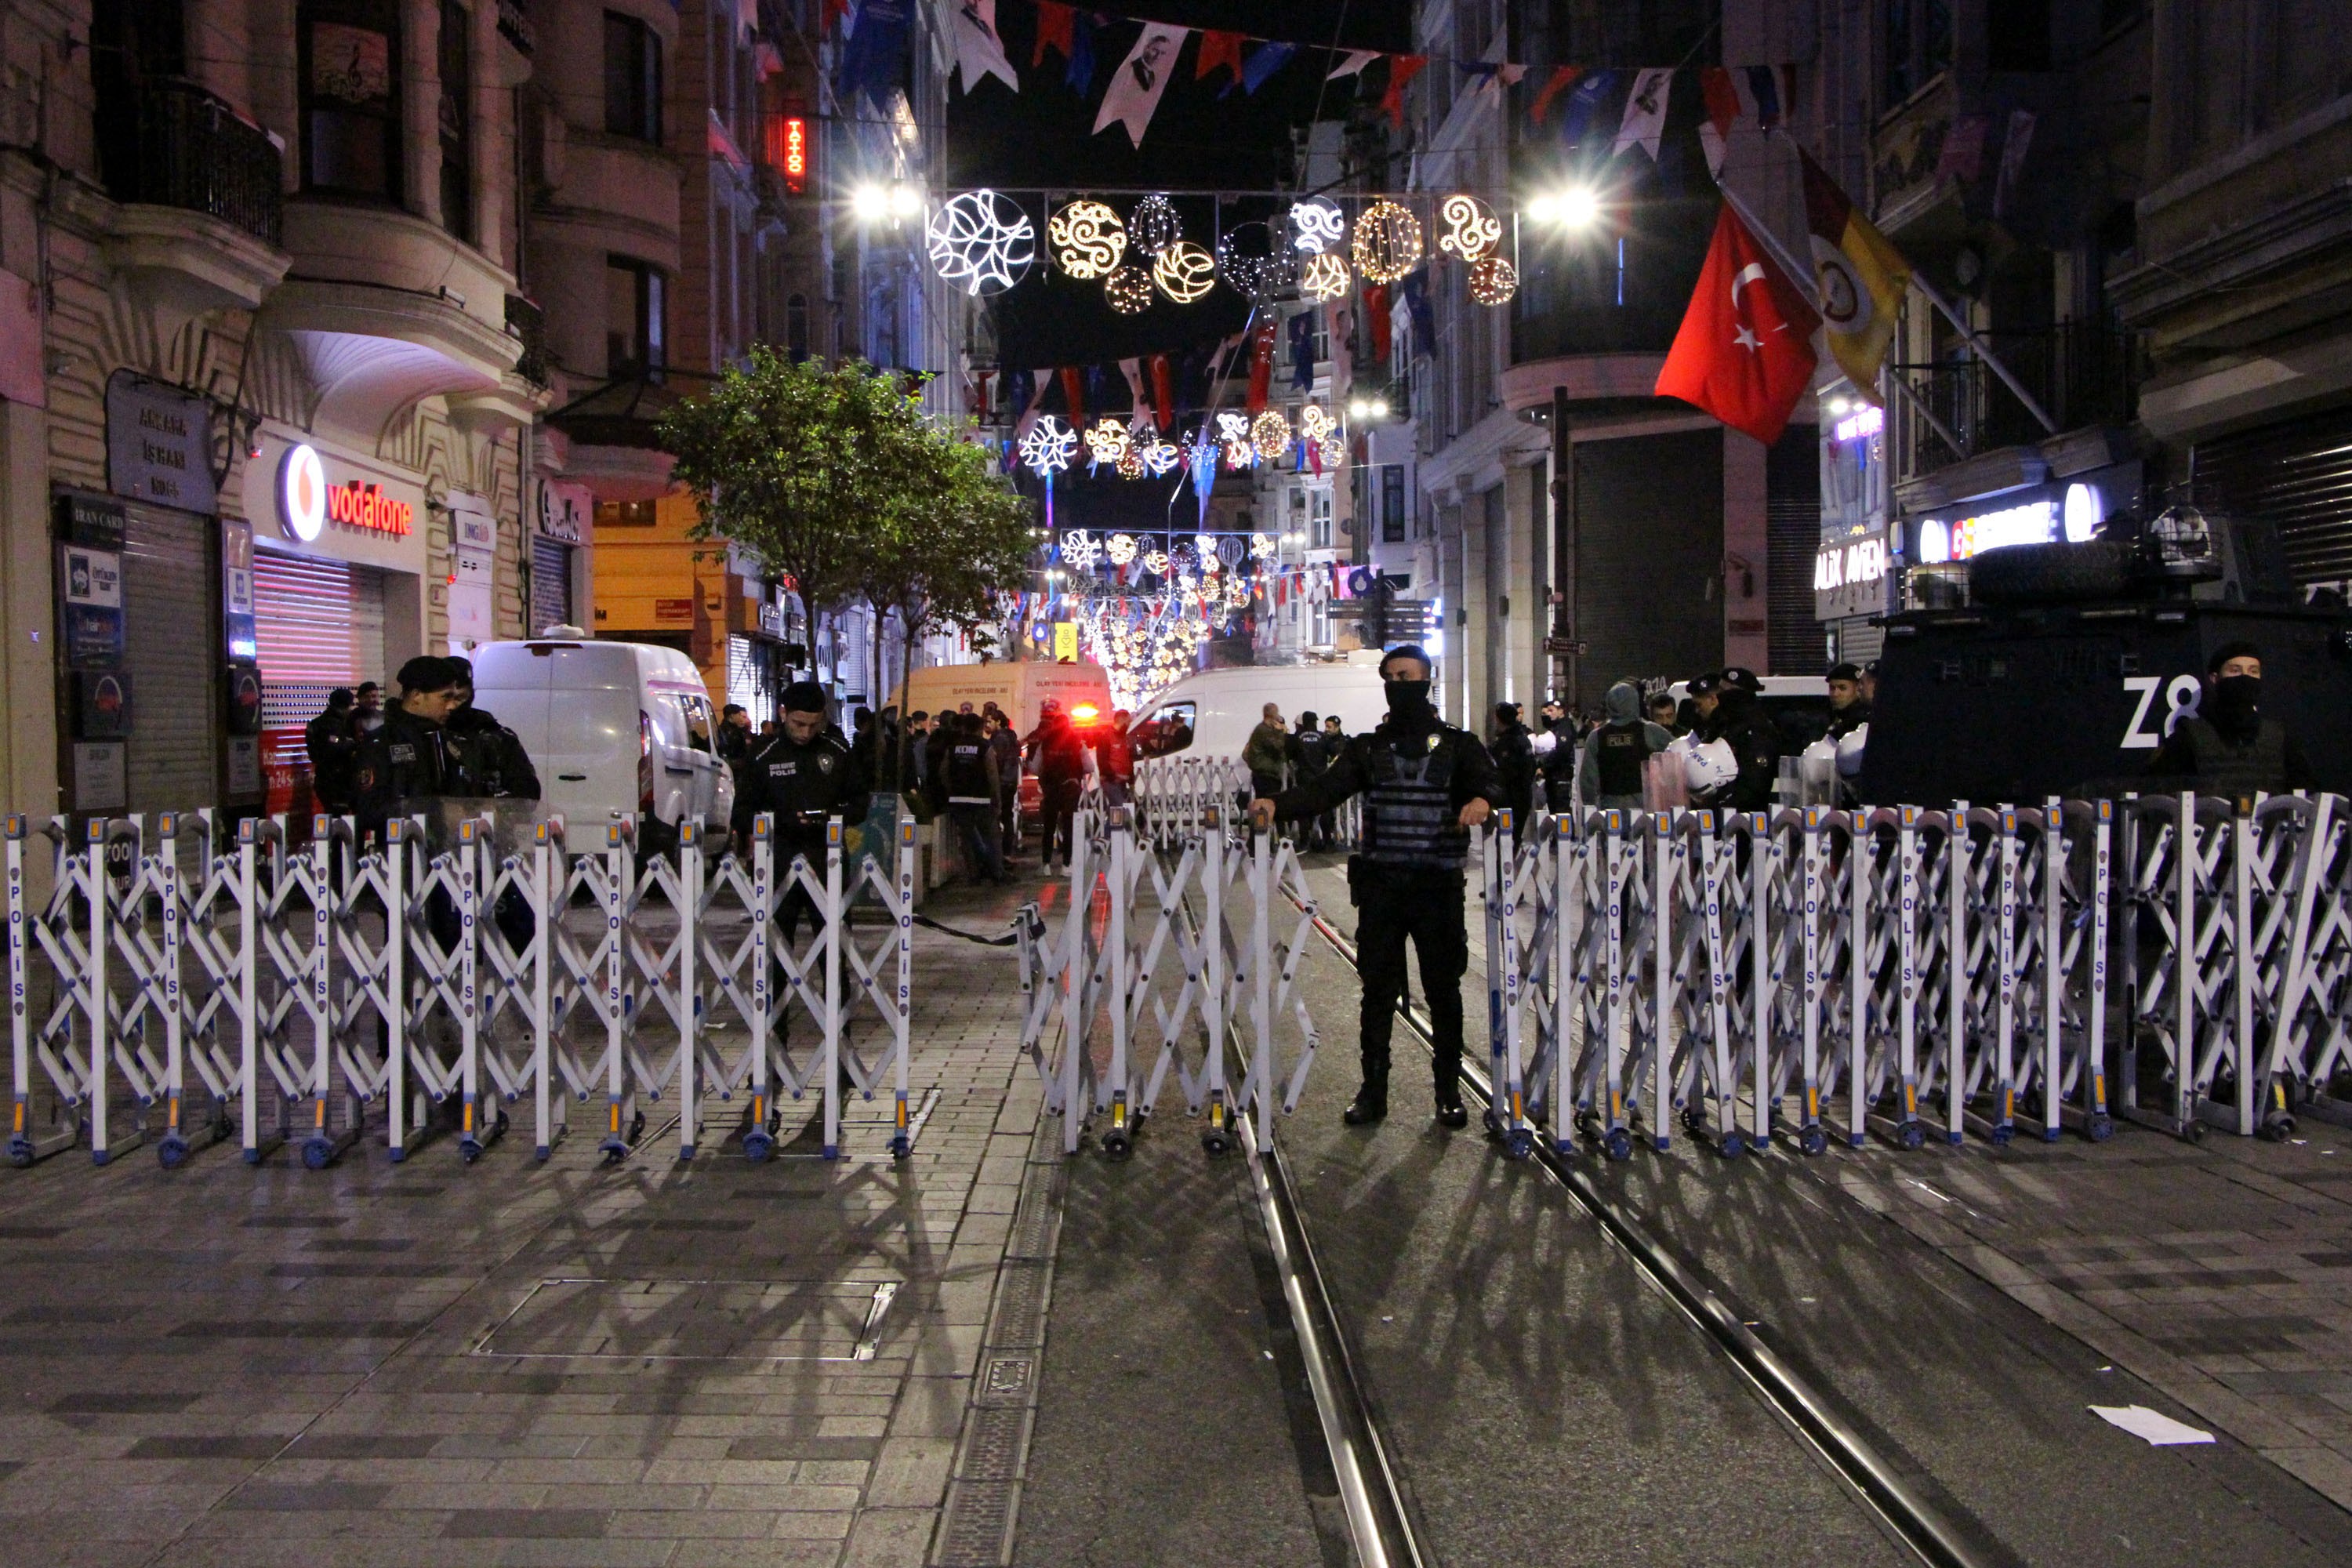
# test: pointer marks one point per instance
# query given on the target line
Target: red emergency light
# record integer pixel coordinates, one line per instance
(1084, 713)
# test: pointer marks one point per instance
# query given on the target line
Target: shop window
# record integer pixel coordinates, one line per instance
(633, 79)
(636, 311)
(625, 514)
(350, 65)
(457, 55)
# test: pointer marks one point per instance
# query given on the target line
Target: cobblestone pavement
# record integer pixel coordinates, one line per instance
(515, 1364)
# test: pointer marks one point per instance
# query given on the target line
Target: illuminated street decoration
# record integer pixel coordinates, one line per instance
(1234, 433)
(1129, 291)
(1153, 226)
(982, 242)
(1471, 228)
(1184, 272)
(1388, 242)
(1316, 225)
(1122, 549)
(1162, 457)
(1261, 545)
(1270, 434)
(1323, 278)
(1493, 280)
(1314, 424)
(1130, 463)
(1087, 238)
(1080, 550)
(1107, 442)
(1252, 265)
(1049, 447)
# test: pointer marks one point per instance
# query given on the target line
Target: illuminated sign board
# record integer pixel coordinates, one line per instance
(1850, 576)
(1856, 425)
(795, 159)
(307, 502)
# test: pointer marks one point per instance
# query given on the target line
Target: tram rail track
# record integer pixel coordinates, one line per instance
(1878, 1485)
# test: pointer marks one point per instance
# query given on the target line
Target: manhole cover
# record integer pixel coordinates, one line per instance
(694, 1320)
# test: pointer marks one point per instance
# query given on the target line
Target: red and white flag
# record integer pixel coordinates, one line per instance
(1744, 352)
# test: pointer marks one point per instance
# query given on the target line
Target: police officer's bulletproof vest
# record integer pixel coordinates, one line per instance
(2226, 767)
(1409, 821)
(1623, 749)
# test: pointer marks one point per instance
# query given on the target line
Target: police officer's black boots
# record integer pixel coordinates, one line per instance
(1450, 1111)
(1371, 1104)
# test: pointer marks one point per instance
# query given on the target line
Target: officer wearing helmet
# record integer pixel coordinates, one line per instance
(1426, 785)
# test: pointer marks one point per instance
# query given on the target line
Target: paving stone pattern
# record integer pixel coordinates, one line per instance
(515, 1364)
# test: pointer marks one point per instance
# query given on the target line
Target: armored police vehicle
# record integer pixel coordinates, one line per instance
(2070, 664)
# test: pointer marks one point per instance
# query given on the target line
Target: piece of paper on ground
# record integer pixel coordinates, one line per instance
(2155, 1427)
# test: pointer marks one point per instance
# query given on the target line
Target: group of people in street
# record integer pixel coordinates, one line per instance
(372, 761)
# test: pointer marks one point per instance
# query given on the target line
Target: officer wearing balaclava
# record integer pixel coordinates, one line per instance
(1426, 785)
(2229, 747)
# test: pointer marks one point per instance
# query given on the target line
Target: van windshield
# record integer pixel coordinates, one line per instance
(697, 721)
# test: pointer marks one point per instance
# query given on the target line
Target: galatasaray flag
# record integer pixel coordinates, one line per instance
(1744, 352)
(1862, 277)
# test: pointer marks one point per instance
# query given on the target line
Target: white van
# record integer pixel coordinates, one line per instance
(1017, 687)
(1213, 714)
(612, 727)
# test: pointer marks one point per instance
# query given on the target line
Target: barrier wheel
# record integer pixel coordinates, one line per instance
(1494, 1124)
(1813, 1140)
(20, 1152)
(172, 1152)
(758, 1146)
(1911, 1135)
(1734, 1143)
(2193, 1131)
(318, 1154)
(2001, 1136)
(1217, 1140)
(1520, 1143)
(2278, 1129)
(2099, 1128)
(470, 1148)
(902, 1146)
(1117, 1144)
(615, 1152)
(1693, 1120)
(1620, 1143)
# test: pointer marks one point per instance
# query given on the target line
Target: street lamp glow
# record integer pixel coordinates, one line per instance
(869, 203)
(905, 201)
(1572, 206)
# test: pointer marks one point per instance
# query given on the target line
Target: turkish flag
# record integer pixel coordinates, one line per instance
(1744, 352)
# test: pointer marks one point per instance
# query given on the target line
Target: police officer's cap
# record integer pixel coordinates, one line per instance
(1744, 678)
(803, 697)
(426, 672)
(1848, 670)
(2238, 648)
(1707, 684)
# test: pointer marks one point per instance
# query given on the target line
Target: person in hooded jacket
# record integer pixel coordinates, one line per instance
(2229, 747)
(1609, 777)
(1426, 785)
(1728, 712)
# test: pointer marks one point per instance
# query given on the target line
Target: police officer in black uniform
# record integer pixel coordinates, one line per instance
(407, 760)
(802, 775)
(1426, 785)
(492, 756)
(1849, 710)
(1729, 712)
(2228, 747)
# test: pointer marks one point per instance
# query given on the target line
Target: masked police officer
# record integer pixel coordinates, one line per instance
(1426, 785)
(802, 775)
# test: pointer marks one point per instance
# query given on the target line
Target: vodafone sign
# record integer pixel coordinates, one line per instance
(307, 502)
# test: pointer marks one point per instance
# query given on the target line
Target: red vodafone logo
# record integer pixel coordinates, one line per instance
(307, 502)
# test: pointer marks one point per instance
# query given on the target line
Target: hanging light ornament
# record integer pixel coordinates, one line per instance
(1129, 291)
(1080, 550)
(1153, 226)
(1106, 441)
(1471, 230)
(1184, 272)
(1131, 464)
(1156, 562)
(1325, 278)
(1388, 242)
(1316, 225)
(1335, 453)
(1252, 265)
(1049, 447)
(1087, 239)
(1204, 545)
(982, 242)
(1314, 424)
(1233, 430)
(1162, 457)
(1270, 434)
(1122, 549)
(1231, 550)
(1261, 546)
(1493, 280)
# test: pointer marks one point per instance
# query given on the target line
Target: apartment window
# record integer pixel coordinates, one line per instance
(625, 514)
(797, 327)
(457, 55)
(633, 79)
(1393, 512)
(1318, 529)
(2017, 35)
(1915, 47)
(636, 339)
(350, 64)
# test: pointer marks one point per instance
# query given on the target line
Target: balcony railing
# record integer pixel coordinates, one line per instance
(188, 149)
(2083, 373)
(528, 323)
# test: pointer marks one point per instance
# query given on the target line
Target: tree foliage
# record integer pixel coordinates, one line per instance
(833, 479)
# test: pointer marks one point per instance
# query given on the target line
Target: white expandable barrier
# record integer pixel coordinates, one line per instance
(314, 995)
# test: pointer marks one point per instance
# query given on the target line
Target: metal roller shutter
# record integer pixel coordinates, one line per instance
(172, 635)
(318, 625)
(2298, 474)
(551, 585)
